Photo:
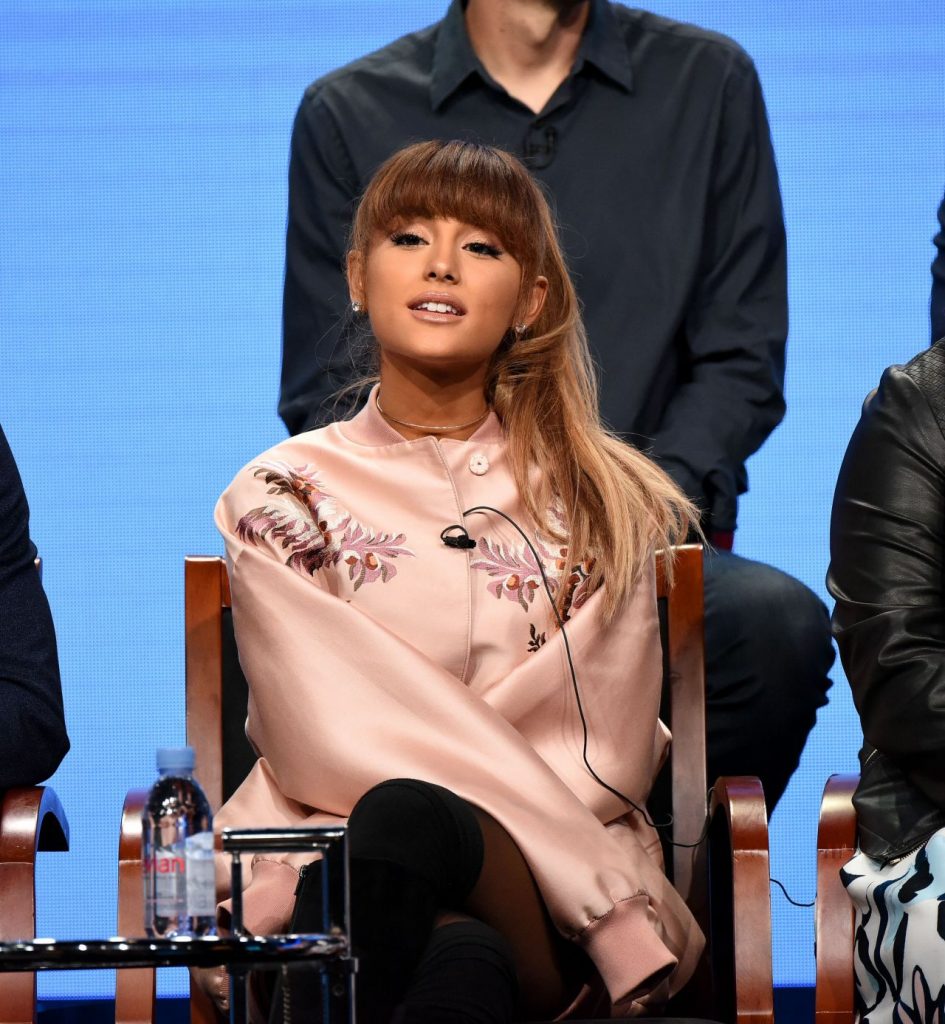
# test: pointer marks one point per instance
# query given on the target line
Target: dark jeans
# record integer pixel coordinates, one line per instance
(768, 652)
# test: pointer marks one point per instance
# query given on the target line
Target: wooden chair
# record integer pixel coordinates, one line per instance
(833, 916)
(734, 982)
(31, 821)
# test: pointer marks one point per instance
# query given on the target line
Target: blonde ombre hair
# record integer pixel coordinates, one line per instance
(617, 505)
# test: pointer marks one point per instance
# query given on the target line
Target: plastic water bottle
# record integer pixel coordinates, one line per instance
(177, 851)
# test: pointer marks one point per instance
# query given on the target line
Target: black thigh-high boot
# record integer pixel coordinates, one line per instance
(466, 976)
(415, 849)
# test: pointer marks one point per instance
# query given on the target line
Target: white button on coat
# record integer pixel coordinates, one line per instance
(478, 464)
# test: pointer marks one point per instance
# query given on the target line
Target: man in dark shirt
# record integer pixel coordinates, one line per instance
(32, 729)
(938, 279)
(652, 139)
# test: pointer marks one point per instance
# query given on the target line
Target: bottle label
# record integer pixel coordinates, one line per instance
(200, 875)
(169, 866)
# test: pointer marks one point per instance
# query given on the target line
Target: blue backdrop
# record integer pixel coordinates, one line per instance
(143, 152)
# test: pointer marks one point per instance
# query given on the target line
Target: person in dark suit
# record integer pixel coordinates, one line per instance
(33, 739)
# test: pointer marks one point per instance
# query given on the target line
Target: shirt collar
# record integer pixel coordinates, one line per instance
(368, 427)
(603, 46)
(454, 59)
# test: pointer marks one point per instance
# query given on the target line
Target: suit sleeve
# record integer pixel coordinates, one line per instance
(32, 727)
(316, 328)
(736, 324)
(886, 572)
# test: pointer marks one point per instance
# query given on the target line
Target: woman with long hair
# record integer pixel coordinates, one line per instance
(445, 611)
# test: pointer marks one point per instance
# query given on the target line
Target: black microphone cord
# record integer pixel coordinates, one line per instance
(457, 536)
(465, 541)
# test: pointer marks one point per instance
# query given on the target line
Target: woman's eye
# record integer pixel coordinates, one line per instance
(406, 238)
(484, 249)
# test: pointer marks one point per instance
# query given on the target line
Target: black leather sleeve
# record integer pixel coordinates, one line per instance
(886, 571)
(937, 302)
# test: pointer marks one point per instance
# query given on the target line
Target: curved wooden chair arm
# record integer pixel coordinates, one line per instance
(135, 989)
(737, 809)
(31, 821)
(833, 916)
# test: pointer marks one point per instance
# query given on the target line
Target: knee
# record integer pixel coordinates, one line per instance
(804, 626)
(390, 814)
(419, 826)
(386, 809)
(775, 613)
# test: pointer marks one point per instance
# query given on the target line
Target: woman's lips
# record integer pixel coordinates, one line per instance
(437, 311)
(431, 316)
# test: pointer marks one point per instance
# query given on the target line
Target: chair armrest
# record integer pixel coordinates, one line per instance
(833, 916)
(741, 923)
(31, 821)
(135, 989)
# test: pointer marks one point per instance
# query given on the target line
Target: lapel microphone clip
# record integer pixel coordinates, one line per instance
(461, 540)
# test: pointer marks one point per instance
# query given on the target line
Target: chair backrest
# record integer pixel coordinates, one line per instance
(683, 710)
(216, 695)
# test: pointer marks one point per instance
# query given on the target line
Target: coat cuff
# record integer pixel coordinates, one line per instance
(627, 950)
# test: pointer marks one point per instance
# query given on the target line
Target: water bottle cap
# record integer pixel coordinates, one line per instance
(175, 760)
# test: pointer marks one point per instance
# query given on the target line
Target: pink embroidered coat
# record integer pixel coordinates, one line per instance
(374, 651)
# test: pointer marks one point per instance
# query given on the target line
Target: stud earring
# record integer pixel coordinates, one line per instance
(356, 307)
(521, 328)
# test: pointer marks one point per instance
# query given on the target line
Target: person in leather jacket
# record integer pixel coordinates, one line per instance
(887, 542)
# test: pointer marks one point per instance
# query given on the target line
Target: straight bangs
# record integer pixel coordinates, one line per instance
(464, 181)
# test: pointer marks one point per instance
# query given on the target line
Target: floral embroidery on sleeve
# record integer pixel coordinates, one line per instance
(515, 573)
(327, 536)
(578, 584)
(537, 641)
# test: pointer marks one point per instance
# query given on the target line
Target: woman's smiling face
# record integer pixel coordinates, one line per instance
(441, 292)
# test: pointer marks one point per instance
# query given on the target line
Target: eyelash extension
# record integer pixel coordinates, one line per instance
(482, 248)
(489, 250)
